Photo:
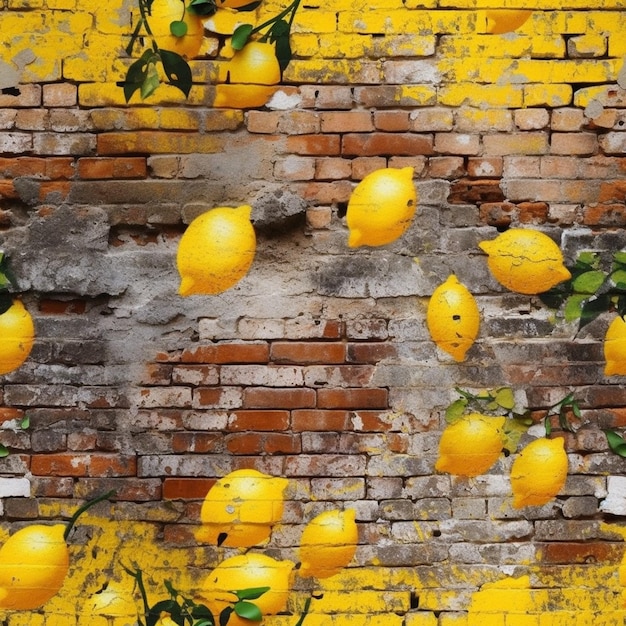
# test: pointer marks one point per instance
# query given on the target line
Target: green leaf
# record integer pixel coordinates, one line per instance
(4, 451)
(620, 305)
(136, 74)
(574, 307)
(616, 442)
(203, 7)
(587, 259)
(589, 282)
(283, 52)
(513, 431)
(620, 257)
(151, 82)
(618, 277)
(177, 70)
(247, 610)
(178, 28)
(505, 398)
(205, 622)
(25, 423)
(6, 301)
(200, 611)
(455, 410)
(240, 36)
(554, 298)
(225, 615)
(592, 308)
(252, 593)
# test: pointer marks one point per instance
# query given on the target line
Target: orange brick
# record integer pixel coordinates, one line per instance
(103, 168)
(347, 122)
(379, 144)
(186, 488)
(314, 144)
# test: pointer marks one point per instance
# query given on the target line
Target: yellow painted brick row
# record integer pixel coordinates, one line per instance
(333, 71)
(532, 4)
(403, 21)
(362, 601)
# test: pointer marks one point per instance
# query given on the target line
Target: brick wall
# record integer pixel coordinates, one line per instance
(318, 366)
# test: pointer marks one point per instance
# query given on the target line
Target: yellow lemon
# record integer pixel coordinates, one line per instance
(33, 564)
(539, 472)
(505, 20)
(113, 601)
(471, 445)
(615, 348)
(17, 336)
(381, 207)
(247, 571)
(216, 251)
(525, 261)
(328, 543)
(241, 508)
(162, 14)
(246, 80)
(453, 318)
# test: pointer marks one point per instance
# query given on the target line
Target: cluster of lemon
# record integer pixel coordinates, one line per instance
(472, 445)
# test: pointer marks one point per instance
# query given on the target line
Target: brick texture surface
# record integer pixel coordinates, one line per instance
(318, 365)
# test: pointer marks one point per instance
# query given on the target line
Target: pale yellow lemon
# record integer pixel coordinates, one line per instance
(539, 472)
(241, 508)
(216, 251)
(526, 261)
(17, 336)
(453, 318)
(381, 207)
(328, 543)
(247, 79)
(247, 571)
(615, 348)
(471, 445)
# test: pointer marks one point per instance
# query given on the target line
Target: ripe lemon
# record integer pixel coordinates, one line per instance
(505, 20)
(453, 318)
(539, 472)
(33, 564)
(525, 261)
(17, 336)
(241, 508)
(328, 543)
(471, 445)
(615, 348)
(246, 80)
(381, 207)
(216, 251)
(246, 571)
(162, 14)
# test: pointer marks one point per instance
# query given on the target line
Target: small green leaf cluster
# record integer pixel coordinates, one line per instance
(7, 281)
(184, 611)
(591, 290)
(617, 443)
(23, 424)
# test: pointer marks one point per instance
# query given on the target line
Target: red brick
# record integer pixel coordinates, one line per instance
(262, 121)
(198, 442)
(533, 212)
(52, 487)
(299, 123)
(372, 144)
(332, 168)
(391, 121)
(605, 215)
(263, 443)
(259, 420)
(266, 398)
(613, 191)
(308, 352)
(370, 352)
(484, 167)
(362, 166)
(186, 488)
(104, 465)
(568, 553)
(62, 464)
(347, 122)
(314, 144)
(126, 489)
(352, 398)
(227, 353)
(318, 420)
(180, 534)
(446, 167)
(90, 168)
(328, 193)
(51, 306)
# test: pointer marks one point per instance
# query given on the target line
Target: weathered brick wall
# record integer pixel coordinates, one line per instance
(318, 366)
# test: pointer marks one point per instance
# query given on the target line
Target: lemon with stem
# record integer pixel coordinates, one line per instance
(471, 445)
(165, 12)
(34, 562)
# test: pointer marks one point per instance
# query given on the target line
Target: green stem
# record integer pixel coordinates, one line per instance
(292, 8)
(305, 611)
(83, 508)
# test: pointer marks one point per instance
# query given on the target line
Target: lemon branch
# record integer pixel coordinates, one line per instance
(83, 508)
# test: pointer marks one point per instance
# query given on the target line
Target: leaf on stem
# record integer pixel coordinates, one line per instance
(177, 70)
(240, 36)
(248, 610)
(616, 442)
(178, 28)
(203, 7)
